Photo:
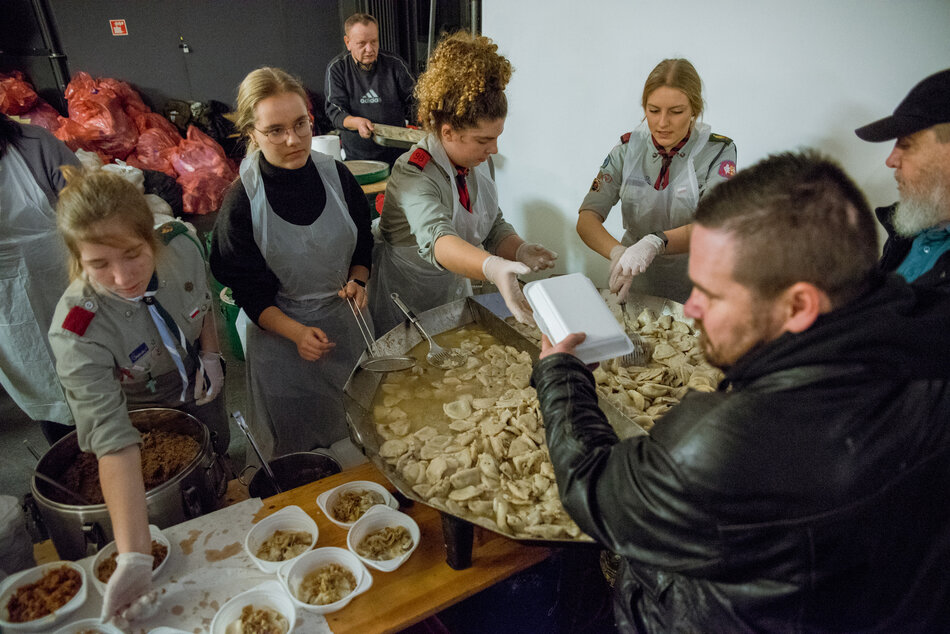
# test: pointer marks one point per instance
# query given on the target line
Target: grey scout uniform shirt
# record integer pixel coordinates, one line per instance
(419, 204)
(715, 163)
(108, 349)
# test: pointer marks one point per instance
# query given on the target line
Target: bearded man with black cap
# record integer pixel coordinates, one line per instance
(918, 227)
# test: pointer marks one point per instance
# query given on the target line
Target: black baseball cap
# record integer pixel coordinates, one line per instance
(927, 104)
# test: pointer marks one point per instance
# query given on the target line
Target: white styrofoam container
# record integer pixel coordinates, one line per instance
(571, 303)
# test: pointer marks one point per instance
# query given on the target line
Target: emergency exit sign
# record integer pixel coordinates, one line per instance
(118, 27)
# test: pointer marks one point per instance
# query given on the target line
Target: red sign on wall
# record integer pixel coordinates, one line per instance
(118, 27)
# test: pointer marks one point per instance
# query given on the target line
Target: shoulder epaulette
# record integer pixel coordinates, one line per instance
(77, 320)
(625, 138)
(718, 138)
(420, 158)
(171, 229)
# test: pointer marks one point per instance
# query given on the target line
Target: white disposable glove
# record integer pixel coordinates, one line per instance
(633, 260)
(129, 590)
(504, 274)
(535, 256)
(210, 378)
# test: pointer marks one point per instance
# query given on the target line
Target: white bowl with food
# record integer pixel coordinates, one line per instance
(104, 564)
(36, 599)
(89, 626)
(325, 580)
(281, 537)
(264, 608)
(383, 538)
(345, 504)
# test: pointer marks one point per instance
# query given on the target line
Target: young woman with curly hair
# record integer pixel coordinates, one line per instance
(441, 226)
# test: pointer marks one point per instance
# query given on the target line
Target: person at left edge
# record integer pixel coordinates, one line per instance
(441, 225)
(134, 329)
(366, 85)
(32, 271)
(293, 242)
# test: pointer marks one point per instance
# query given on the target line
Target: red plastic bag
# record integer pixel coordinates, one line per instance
(153, 151)
(204, 172)
(43, 115)
(16, 94)
(99, 109)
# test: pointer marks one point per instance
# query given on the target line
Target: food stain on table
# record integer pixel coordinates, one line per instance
(212, 555)
(178, 610)
(187, 545)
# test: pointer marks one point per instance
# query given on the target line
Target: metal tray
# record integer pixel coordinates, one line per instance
(360, 389)
(395, 136)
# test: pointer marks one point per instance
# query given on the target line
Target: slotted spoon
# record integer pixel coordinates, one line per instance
(641, 353)
(444, 358)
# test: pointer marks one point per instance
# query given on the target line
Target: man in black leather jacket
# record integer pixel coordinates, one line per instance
(809, 493)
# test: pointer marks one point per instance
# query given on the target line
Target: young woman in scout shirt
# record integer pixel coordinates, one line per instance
(441, 226)
(658, 172)
(293, 242)
(134, 329)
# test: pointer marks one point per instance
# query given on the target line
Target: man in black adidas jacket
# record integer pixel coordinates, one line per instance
(809, 493)
(364, 86)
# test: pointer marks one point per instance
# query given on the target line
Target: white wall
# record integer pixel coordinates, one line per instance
(777, 75)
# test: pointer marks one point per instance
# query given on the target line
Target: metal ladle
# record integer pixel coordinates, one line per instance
(374, 361)
(239, 419)
(62, 489)
(443, 358)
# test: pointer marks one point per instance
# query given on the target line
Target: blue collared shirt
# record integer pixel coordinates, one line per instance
(926, 249)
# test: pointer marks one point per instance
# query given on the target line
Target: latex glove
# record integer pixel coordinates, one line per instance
(210, 379)
(131, 581)
(504, 274)
(535, 256)
(355, 292)
(634, 260)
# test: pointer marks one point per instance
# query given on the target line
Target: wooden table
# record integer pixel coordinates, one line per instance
(423, 585)
(375, 188)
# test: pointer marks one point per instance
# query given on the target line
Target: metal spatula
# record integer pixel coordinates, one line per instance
(641, 353)
(444, 358)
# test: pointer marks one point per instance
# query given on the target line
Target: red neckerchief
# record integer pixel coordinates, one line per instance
(664, 177)
(460, 174)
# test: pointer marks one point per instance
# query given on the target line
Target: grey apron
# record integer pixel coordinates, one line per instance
(400, 269)
(646, 210)
(296, 405)
(32, 279)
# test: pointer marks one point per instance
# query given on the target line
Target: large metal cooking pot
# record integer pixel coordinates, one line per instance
(80, 530)
(292, 470)
(362, 385)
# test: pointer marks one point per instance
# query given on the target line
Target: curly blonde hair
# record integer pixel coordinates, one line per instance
(463, 84)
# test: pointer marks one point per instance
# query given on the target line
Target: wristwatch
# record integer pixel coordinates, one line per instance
(356, 281)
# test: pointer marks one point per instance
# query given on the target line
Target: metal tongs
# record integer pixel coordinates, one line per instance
(239, 419)
(375, 361)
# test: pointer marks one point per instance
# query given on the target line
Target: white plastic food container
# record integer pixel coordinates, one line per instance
(109, 548)
(270, 594)
(32, 575)
(571, 303)
(376, 518)
(293, 573)
(327, 500)
(85, 626)
(290, 518)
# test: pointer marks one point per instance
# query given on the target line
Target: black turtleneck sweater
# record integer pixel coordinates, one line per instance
(297, 196)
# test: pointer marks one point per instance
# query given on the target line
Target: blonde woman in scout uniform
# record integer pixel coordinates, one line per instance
(441, 226)
(293, 242)
(134, 329)
(32, 271)
(658, 172)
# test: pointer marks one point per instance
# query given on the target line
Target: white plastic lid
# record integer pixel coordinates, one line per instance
(571, 303)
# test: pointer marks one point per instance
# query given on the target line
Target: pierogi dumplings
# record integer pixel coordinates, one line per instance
(350, 505)
(387, 543)
(327, 584)
(470, 440)
(284, 545)
(262, 620)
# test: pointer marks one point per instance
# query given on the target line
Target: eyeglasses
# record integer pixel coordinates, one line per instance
(278, 135)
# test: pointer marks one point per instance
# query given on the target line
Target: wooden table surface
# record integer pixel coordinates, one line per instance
(375, 188)
(424, 584)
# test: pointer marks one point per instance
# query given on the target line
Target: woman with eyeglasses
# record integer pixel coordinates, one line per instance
(292, 241)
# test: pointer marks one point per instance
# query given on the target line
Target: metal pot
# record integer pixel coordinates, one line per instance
(292, 470)
(80, 530)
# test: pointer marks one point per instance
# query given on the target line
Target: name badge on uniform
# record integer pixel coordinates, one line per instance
(136, 354)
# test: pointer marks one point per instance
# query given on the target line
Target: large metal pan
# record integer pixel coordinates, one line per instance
(362, 385)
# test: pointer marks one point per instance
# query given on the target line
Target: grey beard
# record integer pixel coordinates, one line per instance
(918, 212)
